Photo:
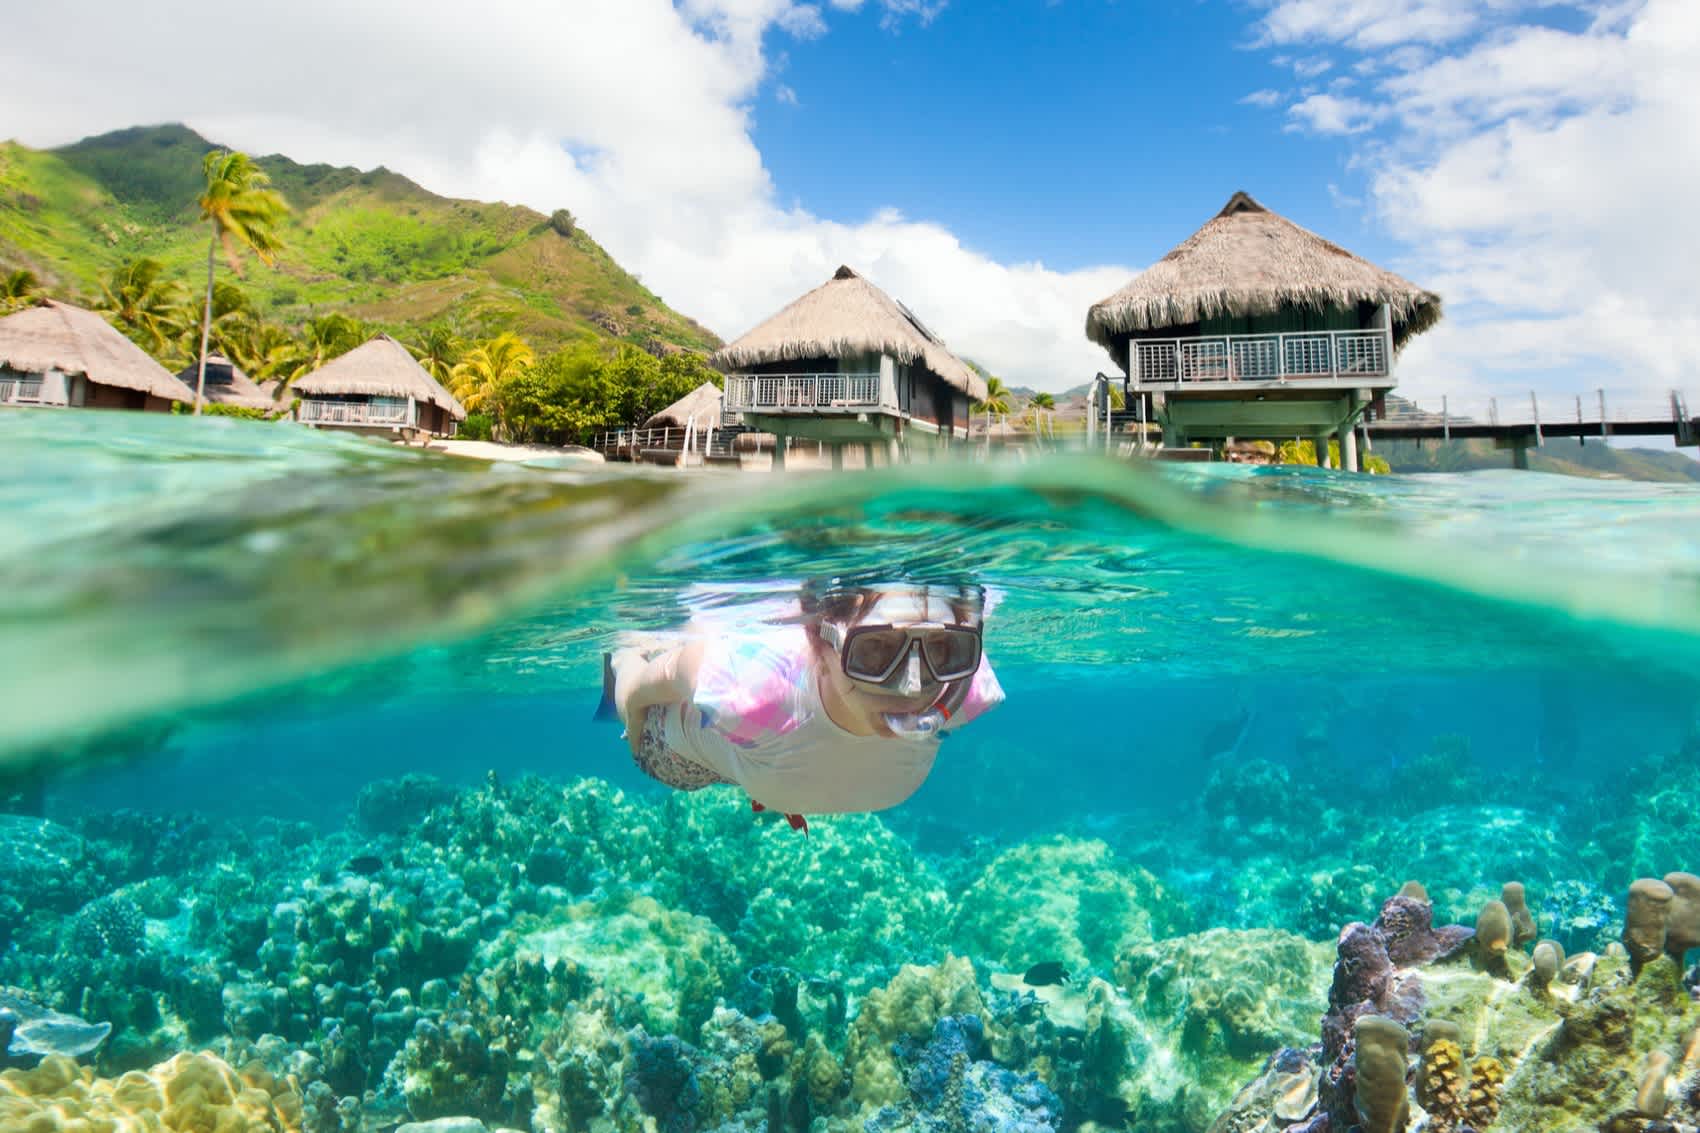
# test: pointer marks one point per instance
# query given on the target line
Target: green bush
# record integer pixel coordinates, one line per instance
(213, 409)
(476, 427)
(563, 223)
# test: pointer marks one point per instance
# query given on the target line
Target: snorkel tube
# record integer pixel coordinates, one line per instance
(930, 721)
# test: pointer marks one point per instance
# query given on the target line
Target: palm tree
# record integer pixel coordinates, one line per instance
(997, 398)
(18, 289)
(244, 214)
(438, 349)
(1040, 403)
(149, 307)
(477, 378)
(326, 337)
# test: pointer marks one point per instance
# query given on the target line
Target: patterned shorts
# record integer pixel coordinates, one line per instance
(660, 762)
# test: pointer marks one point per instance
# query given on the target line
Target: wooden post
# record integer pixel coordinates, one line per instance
(1520, 454)
(1321, 443)
(1349, 447)
(779, 452)
(838, 458)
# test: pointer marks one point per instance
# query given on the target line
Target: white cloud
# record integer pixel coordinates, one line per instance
(1541, 180)
(636, 114)
(1371, 23)
(1264, 98)
(1331, 114)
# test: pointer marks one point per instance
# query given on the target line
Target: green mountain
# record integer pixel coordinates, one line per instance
(373, 245)
(1595, 459)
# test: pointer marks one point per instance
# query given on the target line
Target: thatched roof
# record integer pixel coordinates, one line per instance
(58, 336)
(1249, 261)
(381, 367)
(702, 404)
(847, 315)
(239, 390)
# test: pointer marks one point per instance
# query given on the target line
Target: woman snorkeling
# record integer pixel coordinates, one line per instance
(838, 707)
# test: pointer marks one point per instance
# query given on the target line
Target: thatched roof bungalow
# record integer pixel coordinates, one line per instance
(378, 387)
(226, 384)
(701, 406)
(847, 363)
(1250, 271)
(59, 355)
(1256, 327)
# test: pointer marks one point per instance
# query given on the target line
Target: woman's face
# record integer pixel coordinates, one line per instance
(912, 687)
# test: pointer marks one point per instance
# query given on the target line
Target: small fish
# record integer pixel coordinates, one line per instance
(365, 865)
(1045, 973)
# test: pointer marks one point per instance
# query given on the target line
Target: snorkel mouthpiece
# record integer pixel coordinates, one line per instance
(915, 725)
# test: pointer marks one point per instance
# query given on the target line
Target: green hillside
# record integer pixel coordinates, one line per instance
(1562, 456)
(372, 245)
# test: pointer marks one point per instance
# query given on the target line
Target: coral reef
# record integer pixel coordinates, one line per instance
(192, 1093)
(1080, 905)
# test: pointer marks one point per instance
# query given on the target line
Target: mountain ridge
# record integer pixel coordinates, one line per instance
(372, 244)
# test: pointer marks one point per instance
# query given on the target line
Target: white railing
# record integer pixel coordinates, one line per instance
(20, 391)
(315, 412)
(1603, 407)
(802, 393)
(1345, 355)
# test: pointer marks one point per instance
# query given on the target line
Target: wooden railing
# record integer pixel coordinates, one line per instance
(1342, 355)
(803, 393)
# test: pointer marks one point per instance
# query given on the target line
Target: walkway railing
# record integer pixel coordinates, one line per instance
(314, 412)
(802, 393)
(1344, 355)
(20, 391)
(1599, 412)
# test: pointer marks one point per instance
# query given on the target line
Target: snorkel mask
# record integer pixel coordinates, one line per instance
(892, 656)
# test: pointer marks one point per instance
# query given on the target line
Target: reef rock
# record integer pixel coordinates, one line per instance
(1078, 903)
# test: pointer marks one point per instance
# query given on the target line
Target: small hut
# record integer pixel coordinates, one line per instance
(226, 384)
(700, 407)
(58, 355)
(848, 364)
(1254, 327)
(378, 387)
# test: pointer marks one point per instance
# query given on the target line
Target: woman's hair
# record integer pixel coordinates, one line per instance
(832, 600)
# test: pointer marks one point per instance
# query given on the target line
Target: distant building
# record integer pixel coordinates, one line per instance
(55, 354)
(377, 388)
(848, 364)
(1254, 328)
(226, 384)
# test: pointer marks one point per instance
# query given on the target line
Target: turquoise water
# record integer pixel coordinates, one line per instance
(1238, 699)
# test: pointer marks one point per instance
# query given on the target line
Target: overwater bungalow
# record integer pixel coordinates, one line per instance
(377, 388)
(1255, 328)
(226, 384)
(55, 354)
(848, 364)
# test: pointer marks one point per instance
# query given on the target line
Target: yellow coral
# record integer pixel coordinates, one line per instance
(192, 1093)
(915, 999)
(1440, 1089)
(1487, 1076)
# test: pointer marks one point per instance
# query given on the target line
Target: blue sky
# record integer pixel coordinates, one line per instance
(1073, 133)
(999, 165)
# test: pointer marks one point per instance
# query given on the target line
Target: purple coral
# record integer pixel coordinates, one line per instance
(952, 1091)
(1406, 925)
(663, 1079)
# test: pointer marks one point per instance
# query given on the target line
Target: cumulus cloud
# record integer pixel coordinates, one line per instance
(636, 114)
(1539, 179)
(1333, 114)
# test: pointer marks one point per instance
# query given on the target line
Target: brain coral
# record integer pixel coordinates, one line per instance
(192, 1093)
(672, 964)
(1063, 899)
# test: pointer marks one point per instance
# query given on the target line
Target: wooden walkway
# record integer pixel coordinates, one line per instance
(1514, 422)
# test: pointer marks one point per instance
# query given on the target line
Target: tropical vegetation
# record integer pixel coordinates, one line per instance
(625, 359)
(245, 216)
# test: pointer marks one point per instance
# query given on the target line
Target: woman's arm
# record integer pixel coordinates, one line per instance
(667, 678)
